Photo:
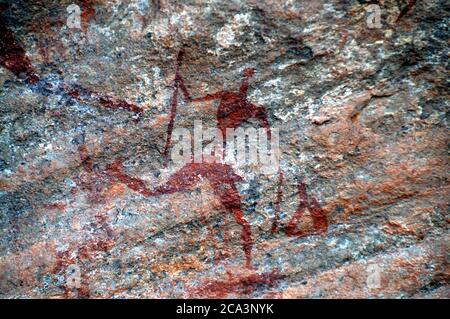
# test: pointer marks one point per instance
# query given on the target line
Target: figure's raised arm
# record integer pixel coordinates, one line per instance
(248, 73)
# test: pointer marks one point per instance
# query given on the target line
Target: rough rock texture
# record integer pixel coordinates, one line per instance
(90, 208)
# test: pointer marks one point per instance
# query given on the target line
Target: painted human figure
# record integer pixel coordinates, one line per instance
(221, 177)
(223, 180)
(234, 108)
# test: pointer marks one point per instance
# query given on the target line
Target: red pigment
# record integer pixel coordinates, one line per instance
(103, 100)
(12, 56)
(239, 285)
(234, 108)
(222, 179)
(93, 182)
(178, 84)
(320, 220)
(87, 250)
(406, 9)
(96, 182)
(115, 170)
(86, 160)
(113, 103)
(276, 219)
(87, 12)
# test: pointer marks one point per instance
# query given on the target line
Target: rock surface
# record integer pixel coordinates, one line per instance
(89, 207)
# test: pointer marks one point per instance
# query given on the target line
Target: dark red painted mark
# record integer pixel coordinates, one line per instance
(55, 206)
(220, 176)
(115, 170)
(406, 9)
(234, 108)
(240, 285)
(86, 95)
(318, 215)
(223, 181)
(93, 182)
(276, 219)
(96, 182)
(87, 12)
(87, 250)
(12, 56)
(86, 160)
(114, 104)
(178, 84)
(320, 220)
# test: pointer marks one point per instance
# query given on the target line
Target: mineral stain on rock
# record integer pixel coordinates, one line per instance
(12, 56)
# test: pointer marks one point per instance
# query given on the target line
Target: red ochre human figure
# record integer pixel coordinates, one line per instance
(223, 180)
(234, 108)
(221, 177)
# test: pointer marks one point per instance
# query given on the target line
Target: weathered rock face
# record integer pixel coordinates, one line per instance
(91, 205)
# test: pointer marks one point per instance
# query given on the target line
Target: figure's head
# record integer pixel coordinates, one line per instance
(249, 72)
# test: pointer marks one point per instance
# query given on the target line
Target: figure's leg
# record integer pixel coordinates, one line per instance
(115, 170)
(246, 235)
(230, 199)
(222, 126)
(276, 218)
(227, 122)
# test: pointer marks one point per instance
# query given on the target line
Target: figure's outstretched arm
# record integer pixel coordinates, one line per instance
(209, 97)
(115, 170)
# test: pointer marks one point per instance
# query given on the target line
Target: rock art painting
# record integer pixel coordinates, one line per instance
(93, 95)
